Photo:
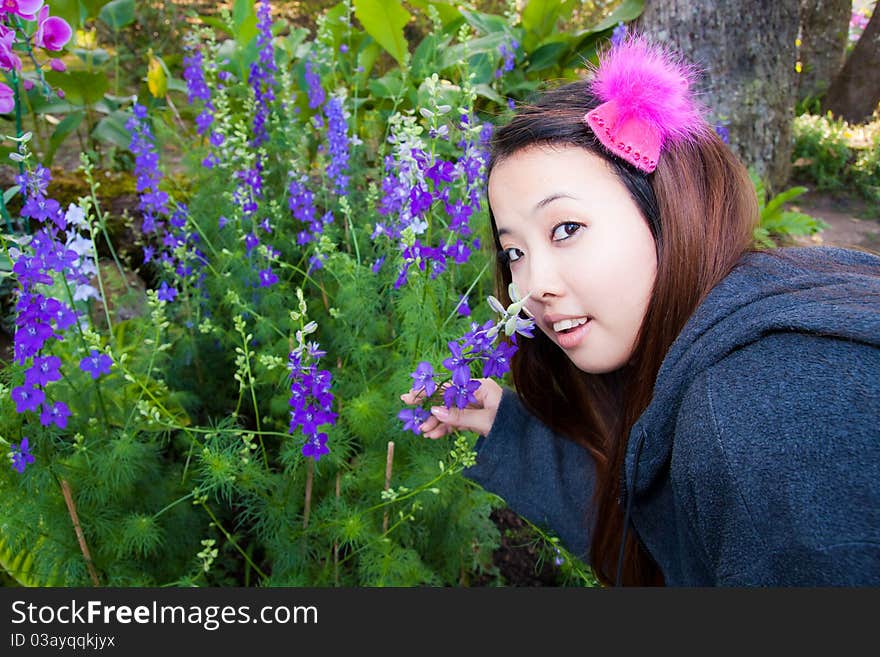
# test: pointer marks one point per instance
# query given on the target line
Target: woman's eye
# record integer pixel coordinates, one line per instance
(510, 255)
(565, 230)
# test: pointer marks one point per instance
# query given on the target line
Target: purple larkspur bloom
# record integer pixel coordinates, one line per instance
(267, 277)
(461, 392)
(497, 361)
(56, 413)
(315, 91)
(96, 363)
(412, 418)
(27, 398)
(316, 446)
(423, 378)
(43, 370)
(166, 292)
(21, 455)
(337, 137)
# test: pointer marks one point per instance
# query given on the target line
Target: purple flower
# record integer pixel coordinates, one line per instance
(43, 370)
(56, 413)
(722, 131)
(412, 418)
(267, 277)
(21, 455)
(498, 360)
(316, 446)
(423, 378)
(463, 309)
(27, 398)
(96, 363)
(618, 34)
(461, 392)
(458, 360)
(315, 91)
(167, 293)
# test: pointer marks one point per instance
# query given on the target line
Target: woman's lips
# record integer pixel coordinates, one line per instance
(572, 338)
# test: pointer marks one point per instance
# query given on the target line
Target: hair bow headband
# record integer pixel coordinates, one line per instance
(646, 102)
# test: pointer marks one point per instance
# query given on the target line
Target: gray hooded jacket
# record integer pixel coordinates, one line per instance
(757, 462)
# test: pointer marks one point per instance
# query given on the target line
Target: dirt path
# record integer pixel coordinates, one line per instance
(852, 223)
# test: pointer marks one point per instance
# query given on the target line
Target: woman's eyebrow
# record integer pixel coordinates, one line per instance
(549, 199)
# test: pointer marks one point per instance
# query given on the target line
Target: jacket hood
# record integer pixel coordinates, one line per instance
(824, 291)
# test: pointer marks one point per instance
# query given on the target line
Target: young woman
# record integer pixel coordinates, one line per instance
(691, 411)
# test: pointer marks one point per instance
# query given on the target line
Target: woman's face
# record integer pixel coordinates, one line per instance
(578, 243)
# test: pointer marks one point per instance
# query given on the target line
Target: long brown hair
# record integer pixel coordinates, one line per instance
(701, 208)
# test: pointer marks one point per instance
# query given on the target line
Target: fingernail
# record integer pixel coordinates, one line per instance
(439, 412)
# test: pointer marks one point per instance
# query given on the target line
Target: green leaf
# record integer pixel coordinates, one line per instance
(425, 56)
(389, 85)
(241, 10)
(448, 11)
(484, 45)
(486, 91)
(66, 126)
(627, 11)
(72, 11)
(548, 55)
(384, 21)
(112, 129)
(485, 23)
(366, 60)
(247, 31)
(216, 23)
(80, 87)
(539, 19)
(10, 193)
(117, 14)
(92, 7)
(784, 197)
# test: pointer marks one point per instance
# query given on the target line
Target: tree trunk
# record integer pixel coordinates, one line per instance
(824, 31)
(746, 51)
(855, 91)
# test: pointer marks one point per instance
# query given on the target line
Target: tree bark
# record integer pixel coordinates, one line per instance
(747, 54)
(824, 31)
(855, 91)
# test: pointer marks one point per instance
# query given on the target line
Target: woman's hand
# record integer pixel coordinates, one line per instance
(477, 417)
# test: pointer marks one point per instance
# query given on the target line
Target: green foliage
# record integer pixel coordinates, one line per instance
(833, 155)
(779, 224)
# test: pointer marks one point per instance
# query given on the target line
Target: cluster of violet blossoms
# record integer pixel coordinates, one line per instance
(301, 199)
(310, 398)
(50, 34)
(40, 317)
(178, 247)
(478, 345)
(415, 180)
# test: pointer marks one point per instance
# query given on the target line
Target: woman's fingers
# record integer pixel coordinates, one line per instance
(477, 417)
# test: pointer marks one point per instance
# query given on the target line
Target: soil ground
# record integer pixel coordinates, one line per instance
(852, 222)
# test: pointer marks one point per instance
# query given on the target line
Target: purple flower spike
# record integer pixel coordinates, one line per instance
(96, 363)
(21, 455)
(423, 378)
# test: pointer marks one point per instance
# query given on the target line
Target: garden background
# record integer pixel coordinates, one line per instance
(234, 233)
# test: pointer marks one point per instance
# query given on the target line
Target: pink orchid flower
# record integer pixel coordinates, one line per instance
(52, 32)
(8, 59)
(27, 9)
(7, 99)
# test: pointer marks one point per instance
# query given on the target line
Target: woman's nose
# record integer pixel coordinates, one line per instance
(545, 279)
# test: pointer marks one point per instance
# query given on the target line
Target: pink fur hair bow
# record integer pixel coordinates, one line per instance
(646, 101)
